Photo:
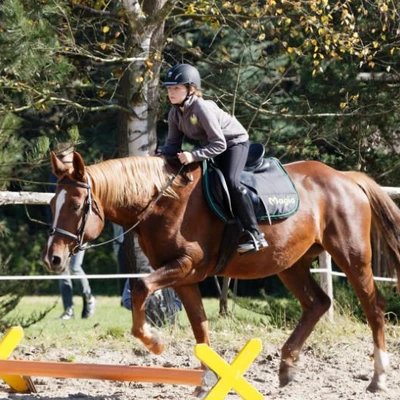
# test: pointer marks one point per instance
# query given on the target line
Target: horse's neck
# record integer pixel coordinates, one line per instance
(136, 209)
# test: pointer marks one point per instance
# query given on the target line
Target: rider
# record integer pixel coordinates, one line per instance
(221, 137)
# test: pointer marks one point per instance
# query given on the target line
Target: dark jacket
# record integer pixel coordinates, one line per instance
(204, 121)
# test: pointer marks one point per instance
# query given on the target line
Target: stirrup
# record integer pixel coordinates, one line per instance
(252, 244)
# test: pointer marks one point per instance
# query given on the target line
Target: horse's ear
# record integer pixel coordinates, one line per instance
(57, 166)
(79, 167)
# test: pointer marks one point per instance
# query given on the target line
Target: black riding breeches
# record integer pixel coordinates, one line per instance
(231, 163)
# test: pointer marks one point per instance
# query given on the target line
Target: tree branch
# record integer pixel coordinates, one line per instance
(111, 60)
(92, 11)
(162, 14)
(60, 100)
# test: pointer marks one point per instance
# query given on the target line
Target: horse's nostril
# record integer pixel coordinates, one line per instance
(56, 261)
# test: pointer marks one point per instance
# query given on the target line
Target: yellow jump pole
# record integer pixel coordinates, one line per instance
(177, 376)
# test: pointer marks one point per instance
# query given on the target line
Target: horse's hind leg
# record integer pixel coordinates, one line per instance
(357, 267)
(314, 303)
(374, 306)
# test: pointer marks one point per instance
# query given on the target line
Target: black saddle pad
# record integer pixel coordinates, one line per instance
(271, 189)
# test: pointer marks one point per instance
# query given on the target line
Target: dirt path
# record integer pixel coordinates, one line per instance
(341, 371)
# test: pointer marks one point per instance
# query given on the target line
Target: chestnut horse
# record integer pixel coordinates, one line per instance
(181, 237)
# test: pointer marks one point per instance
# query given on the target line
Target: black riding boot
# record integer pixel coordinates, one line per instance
(244, 210)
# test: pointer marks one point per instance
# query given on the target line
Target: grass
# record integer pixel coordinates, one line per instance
(111, 323)
(111, 326)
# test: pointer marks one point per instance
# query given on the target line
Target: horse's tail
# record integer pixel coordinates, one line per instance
(386, 217)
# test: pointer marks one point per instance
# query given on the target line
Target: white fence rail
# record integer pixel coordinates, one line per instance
(25, 198)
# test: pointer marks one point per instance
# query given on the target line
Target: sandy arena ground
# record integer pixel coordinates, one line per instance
(341, 372)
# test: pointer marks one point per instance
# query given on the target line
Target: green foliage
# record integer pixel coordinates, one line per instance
(37, 52)
(347, 302)
(10, 147)
(280, 312)
(283, 312)
(392, 298)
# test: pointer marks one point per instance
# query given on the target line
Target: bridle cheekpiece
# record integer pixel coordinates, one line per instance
(78, 237)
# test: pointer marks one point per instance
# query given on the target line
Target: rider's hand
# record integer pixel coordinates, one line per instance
(185, 158)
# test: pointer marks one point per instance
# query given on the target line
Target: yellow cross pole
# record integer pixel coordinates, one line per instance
(231, 376)
(8, 343)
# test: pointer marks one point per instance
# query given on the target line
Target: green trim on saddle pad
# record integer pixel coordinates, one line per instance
(209, 197)
(272, 191)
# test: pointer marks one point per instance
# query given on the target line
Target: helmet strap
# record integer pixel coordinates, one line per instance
(188, 95)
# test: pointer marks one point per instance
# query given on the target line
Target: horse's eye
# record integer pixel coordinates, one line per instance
(76, 207)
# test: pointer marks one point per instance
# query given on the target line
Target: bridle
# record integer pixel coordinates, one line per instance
(88, 208)
(78, 237)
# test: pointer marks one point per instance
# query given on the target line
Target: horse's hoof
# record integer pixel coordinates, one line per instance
(376, 387)
(156, 348)
(156, 344)
(378, 383)
(287, 374)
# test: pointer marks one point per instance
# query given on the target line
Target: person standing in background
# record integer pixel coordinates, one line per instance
(65, 152)
(119, 252)
(66, 289)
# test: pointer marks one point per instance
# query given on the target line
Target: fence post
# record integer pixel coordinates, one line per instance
(325, 262)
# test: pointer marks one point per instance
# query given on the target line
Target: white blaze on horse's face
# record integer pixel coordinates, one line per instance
(59, 203)
(50, 251)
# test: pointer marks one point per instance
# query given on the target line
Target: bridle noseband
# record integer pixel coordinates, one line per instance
(78, 237)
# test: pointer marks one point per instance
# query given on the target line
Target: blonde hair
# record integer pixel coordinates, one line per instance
(196, 91)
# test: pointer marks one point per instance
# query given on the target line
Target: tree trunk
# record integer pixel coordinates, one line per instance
(139, 90)
(137, 131)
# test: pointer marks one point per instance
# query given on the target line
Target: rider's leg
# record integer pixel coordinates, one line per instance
(232, 162)
(244, 210)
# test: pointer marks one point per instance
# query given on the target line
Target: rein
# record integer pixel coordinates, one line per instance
(78, 237)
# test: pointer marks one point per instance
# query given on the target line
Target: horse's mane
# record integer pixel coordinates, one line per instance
(120, 181)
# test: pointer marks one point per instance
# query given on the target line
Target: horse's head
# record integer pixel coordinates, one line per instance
(77, 214)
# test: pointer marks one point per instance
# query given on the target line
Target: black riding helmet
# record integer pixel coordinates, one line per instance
(183, 74)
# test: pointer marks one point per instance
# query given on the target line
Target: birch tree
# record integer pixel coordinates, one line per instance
(140, 88)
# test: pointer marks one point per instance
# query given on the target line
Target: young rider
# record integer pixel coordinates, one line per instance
(221, 137)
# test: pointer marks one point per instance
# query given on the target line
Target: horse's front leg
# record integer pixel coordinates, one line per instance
(191, 299)
(142, 288)
(141, 329)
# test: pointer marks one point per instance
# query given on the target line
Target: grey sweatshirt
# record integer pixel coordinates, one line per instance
(204, 121)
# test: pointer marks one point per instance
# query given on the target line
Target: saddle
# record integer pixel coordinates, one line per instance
(270, 187)
(271, 190)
